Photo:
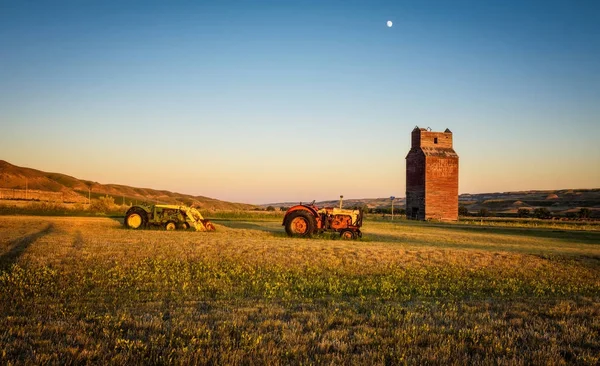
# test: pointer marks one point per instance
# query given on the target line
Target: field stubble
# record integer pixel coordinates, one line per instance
(88, 290)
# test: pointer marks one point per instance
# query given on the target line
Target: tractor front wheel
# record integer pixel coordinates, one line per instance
(348, 234)
(169, 226)
(300, 223)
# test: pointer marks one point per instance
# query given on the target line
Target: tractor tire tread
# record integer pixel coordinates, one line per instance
(139, 211)
(310, 220)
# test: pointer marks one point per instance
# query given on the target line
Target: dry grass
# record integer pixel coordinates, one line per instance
(87, 290)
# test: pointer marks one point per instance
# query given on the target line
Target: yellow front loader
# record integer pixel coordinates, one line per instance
(171, 217)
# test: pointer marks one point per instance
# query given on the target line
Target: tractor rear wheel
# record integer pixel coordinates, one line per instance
(300, 223)
(185, 226)
(348, 234)
(136, 218)
(169, 226)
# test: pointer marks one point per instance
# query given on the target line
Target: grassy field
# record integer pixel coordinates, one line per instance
(76, 290)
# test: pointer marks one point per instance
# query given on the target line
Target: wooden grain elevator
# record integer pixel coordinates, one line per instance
(431, 176)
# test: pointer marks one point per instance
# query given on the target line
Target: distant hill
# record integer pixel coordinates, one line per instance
(558, 201)
(348, 203)
(76, 190)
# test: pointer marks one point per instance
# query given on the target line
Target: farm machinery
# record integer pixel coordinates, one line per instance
(306, 220)
(171, 217)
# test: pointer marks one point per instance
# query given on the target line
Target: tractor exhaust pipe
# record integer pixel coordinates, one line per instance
(341, 199)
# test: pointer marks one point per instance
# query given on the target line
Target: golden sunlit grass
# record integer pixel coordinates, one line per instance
(88, 290)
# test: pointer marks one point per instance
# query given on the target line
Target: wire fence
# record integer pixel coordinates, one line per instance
(31, 195)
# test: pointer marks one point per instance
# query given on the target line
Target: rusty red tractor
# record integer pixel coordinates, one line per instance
(307, 220)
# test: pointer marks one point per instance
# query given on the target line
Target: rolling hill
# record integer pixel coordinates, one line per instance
(502, 203)
(69, 189)
(43, 185)
(561, 201)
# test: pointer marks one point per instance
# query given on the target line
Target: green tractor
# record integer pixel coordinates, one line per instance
(171, 217)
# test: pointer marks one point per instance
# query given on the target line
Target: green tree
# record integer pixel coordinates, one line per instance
(365, 208)
(542, 213)
(103, 204)
(270, 208)
(524, 212)
(484, 212)
(463, 211)
(584, 213)
(571, 215)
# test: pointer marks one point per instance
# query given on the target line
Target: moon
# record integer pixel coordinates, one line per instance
(389, 23)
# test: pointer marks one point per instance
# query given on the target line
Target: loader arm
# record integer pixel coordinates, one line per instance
(194, 217)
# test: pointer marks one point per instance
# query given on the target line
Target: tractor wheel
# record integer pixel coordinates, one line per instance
(348, 234)
(136, 218)
(169, 226)
(185, 226)
(300, 223)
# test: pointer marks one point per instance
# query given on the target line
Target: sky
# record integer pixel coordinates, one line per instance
(271, 101)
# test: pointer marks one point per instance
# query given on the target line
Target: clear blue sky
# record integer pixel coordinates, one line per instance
(267, 101)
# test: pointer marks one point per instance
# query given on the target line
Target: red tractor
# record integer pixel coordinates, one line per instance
(306, 220)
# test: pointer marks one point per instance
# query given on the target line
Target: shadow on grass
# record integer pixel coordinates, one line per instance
(248, 225)
(569, 236)
(276, 230)
(19, 246)
(118, 219)
(551, 243)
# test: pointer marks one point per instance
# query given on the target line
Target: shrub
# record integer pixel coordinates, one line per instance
(524, 212)
(542, 213)
(571, 215)
(365, 208)
(484, 212)
(103, 204)
(584, 213)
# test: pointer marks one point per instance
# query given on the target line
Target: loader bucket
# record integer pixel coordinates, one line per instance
(204, 225)
(208, 225)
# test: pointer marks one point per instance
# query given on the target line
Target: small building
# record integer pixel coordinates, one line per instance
(431, 176)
